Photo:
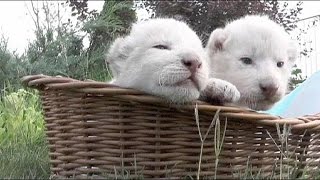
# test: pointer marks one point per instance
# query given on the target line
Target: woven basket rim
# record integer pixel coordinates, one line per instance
(44, 82)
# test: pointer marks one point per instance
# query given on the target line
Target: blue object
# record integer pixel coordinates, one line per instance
(304, 100)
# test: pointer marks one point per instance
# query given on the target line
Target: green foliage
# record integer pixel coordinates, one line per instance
(21, 119)
(80, 9)
(114, 20)
(63, 55)
(59, 50)
(205, 16)
(296, 78)
(23, 151)
(11, 67)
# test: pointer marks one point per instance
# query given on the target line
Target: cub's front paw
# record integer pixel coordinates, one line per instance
(219, 91)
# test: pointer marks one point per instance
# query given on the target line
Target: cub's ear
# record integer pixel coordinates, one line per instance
(217, 40)
(292, 51)
(117, 55)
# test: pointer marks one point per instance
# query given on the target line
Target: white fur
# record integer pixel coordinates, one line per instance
(136, 63)
(266, 43)
(220, 92)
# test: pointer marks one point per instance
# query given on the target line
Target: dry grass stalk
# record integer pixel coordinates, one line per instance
(202, 139)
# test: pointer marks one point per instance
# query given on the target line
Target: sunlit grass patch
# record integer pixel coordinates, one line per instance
(23, 150)
(20, 117)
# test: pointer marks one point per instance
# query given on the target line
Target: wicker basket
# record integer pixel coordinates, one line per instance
(98, 130)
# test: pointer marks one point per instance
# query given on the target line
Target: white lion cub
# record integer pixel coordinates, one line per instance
(256, 55)
(163, 57)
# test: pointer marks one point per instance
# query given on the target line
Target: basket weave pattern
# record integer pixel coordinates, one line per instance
(96, 129)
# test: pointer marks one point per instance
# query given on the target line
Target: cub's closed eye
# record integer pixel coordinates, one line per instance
(280, 64)
(161, 46)
(246, 60)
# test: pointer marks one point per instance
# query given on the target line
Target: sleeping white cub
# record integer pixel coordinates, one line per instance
(163, 57)
(256, 55)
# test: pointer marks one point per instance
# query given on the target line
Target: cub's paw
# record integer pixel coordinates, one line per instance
(219, 91)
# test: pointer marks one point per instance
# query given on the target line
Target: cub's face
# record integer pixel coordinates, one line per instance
(163, 57)
(256, 56)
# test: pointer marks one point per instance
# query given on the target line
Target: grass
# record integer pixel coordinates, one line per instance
(29, 161)
(23, 151)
